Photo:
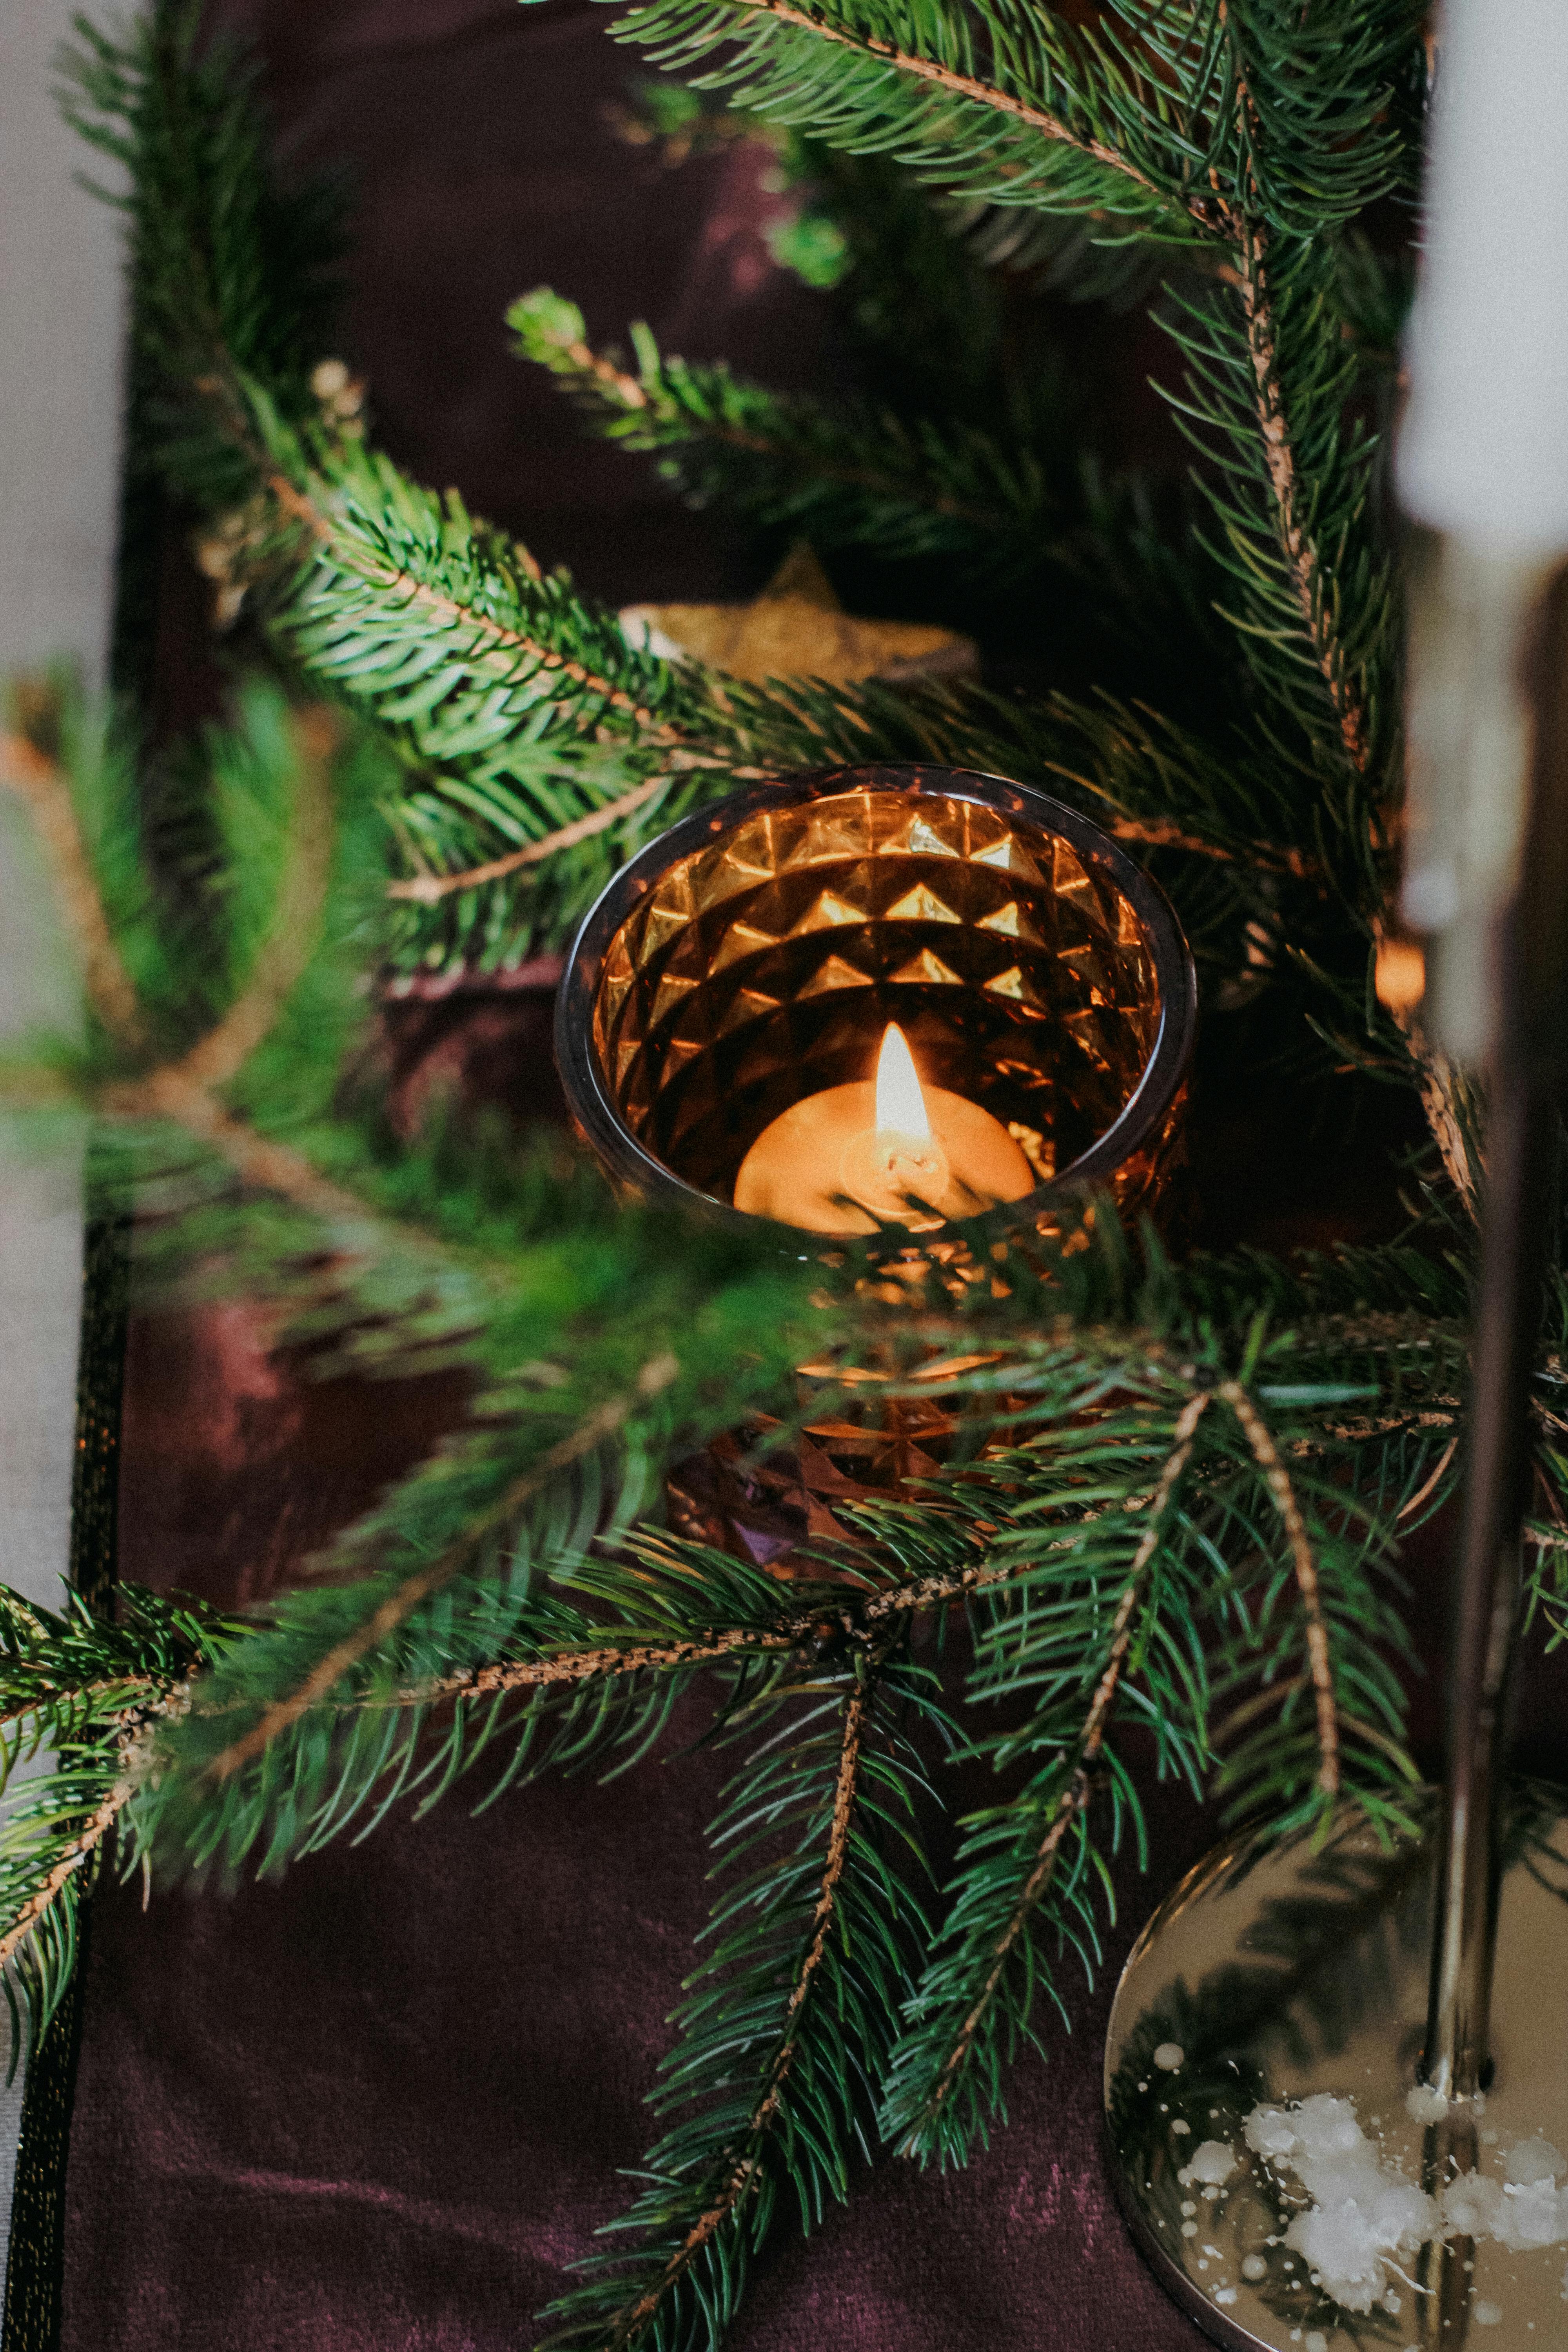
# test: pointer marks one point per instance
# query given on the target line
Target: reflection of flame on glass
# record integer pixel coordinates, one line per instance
(901, 1105)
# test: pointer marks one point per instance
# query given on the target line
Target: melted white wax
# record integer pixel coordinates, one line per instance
(1367, 2219)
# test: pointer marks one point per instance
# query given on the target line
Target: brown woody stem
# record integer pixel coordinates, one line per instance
(406, 1597)
(1075, 1796)
(563, 1667)
(1279, 457)
(1266, 1454)
(135, 1737)
(979, 93)
(741, 2166)
(41, 784)
(569, 1666)
(616, 380)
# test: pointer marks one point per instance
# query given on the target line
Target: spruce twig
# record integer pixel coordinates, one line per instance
(974, 91)
(183, 1090)
(489, 644)
(858, 1615)
(739, 2164)
(131, 1733)
(429, 889)
(1075, 1796)
(38, 781)
(294, 933)
(1266, 1454)
(412, 1590)
(1301, 553)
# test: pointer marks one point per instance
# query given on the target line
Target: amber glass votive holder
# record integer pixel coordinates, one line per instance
(755, 954)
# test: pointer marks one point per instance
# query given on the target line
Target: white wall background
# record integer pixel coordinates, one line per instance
(61, 348)
(61, 307)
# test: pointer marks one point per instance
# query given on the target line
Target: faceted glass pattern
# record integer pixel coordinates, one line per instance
(766, 965)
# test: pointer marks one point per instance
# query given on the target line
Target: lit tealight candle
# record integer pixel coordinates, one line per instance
(891, 1151)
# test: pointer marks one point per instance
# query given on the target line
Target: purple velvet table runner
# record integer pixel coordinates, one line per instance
(384, 2102)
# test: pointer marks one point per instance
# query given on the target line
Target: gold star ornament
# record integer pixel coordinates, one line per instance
(797, 628)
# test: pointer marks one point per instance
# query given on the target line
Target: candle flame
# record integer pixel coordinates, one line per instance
(901, 1105)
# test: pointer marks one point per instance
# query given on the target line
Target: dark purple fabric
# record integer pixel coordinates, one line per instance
(382, 2104)
(481, 164)
(384, 2101)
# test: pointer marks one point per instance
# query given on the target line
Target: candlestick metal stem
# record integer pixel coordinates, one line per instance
(1278, 1972)
(1487, 1586)
(1526, 1088)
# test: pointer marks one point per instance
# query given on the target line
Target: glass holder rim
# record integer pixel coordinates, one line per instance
(632, 1164)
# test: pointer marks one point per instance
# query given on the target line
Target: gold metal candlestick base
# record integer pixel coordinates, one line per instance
(1275, 1973)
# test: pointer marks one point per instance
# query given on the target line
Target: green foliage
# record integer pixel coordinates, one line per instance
(252, 275)
(1139, 1590)
(786, 2026)
(515, 714)
(871, 480)
(813, 247)
(606, 1350)
(1077, 103)
(1171, 1505)
(513, 708)
(78, 1700)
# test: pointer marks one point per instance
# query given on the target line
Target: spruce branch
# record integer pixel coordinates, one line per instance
(1012, 105)
(1069, 1803)
(516, 709)
(261, 1163)
(186, 1092)
(1266, 1454)
(428, 889)
(299, 909)
(1062, 1639)
(132, 1735)
(902, 486)
(1289, 484)
(183, 1091)
(971, 89)
(856, 1619)
(784, 2028)
(488, 642)
(406, 1595)
(778, 1635)
(93, 1695)
(1303, 556)
(541, 744)
(600, 1662)
(39, 781)
(737, 2179)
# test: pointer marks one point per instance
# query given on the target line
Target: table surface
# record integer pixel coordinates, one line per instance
(384, 2102)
